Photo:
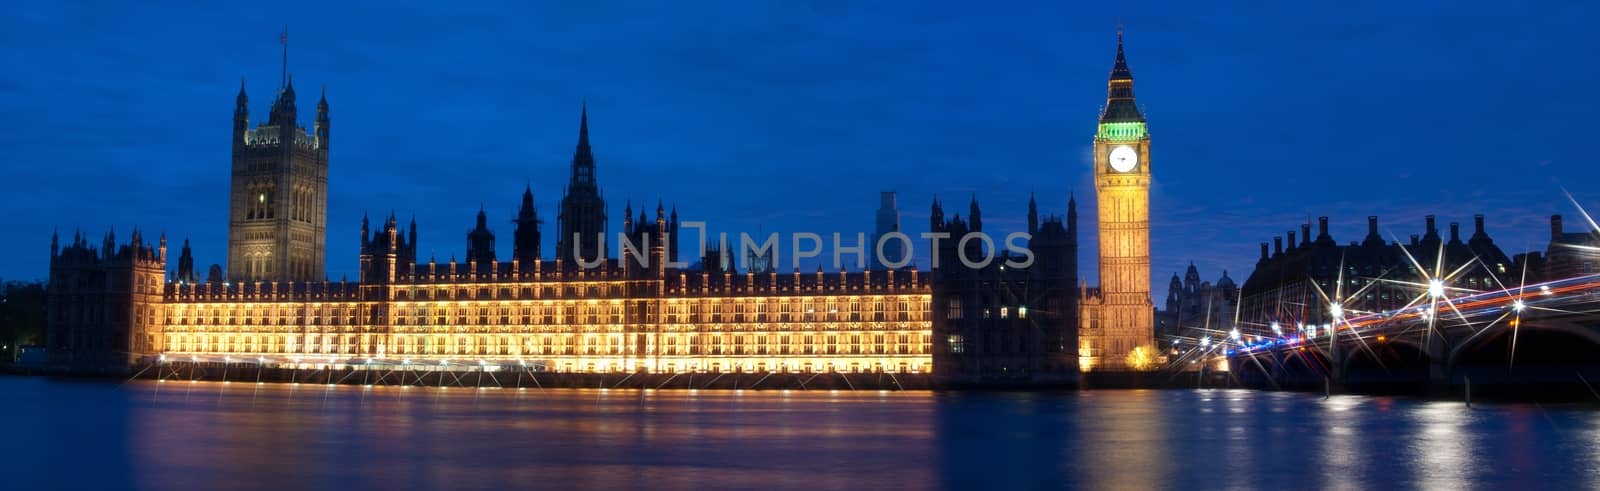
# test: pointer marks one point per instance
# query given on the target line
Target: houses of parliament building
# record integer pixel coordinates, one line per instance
(578, 310)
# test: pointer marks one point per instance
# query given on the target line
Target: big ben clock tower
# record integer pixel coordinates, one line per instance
(1118, 316)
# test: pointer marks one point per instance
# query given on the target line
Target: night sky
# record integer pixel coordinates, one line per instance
(792, 116)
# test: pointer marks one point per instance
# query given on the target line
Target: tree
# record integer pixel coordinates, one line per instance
(22, 317)
(1142, 358)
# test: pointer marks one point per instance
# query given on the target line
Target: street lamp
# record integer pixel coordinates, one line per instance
(1435, 288)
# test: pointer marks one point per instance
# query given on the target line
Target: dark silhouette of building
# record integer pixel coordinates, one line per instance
(391, 252)
(1570, 254)
(526, 239)
(1294, 285)
(102, 306)
(480, 241)
(185, 265)
(278, 205)
(583, 207)
(1000, 324)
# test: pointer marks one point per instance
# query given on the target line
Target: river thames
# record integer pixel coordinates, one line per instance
(145, 435)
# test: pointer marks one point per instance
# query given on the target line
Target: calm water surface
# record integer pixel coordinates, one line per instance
(143, 435)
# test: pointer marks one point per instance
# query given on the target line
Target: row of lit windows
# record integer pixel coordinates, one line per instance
(902, 343)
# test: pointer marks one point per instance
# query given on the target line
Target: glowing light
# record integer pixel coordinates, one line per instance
(1234, 334)
(1337, 310)
(1205, 342)
(1277, 329)
(1518, 306)
(1122, 131)
(1435, 288)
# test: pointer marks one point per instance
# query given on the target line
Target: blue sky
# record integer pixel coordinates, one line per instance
(791, 116)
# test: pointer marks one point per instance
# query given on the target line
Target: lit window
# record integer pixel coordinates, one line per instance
(957, 344)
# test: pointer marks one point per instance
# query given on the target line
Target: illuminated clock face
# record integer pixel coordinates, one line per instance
(1124, 158)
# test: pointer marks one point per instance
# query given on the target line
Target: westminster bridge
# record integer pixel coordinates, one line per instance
(1540, 337)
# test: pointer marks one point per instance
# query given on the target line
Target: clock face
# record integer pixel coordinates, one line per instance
(1124, 158)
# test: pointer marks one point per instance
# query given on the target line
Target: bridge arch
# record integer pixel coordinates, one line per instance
(1391, 365)
(1536, 343)
(1305, 367)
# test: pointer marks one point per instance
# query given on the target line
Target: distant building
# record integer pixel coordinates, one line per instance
(888, 222)
(1196, 308)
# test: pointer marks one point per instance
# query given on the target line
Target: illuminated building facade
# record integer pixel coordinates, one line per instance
(583, 310)
(1118, 316)
(610, 319)
(278, 204)
(620, 315)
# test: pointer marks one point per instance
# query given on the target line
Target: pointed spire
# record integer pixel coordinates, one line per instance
(583, 125)
(1119, 71)
(582, 179)
(1033, 215)
(1120, 105)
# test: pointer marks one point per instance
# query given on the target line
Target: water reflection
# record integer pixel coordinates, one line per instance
(1441, 453)
(245, 436)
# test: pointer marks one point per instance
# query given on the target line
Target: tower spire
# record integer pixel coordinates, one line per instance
(583, 126)
(1120, 105)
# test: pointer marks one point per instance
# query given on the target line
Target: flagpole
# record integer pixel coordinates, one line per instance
(284, 40)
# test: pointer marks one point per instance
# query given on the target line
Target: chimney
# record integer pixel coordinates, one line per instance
(1414, 240)
(1455, 232)
(1263, 251)
(1372, 225)
(1555, 227)
(1430, 228)
(1277, 246)
(1305, 234)
(1477, 224)
(1291, 241)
